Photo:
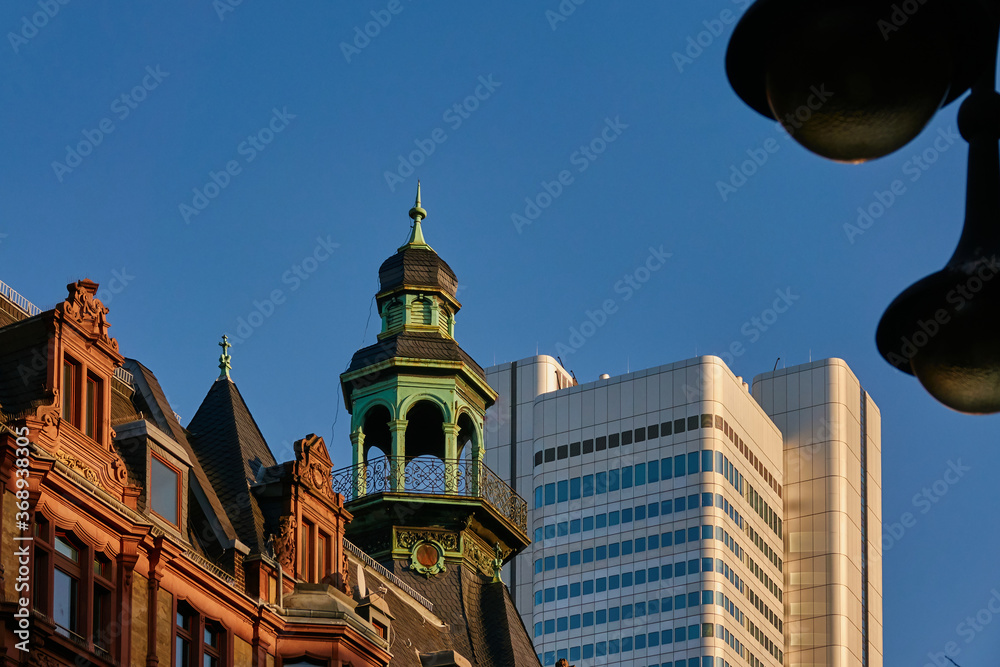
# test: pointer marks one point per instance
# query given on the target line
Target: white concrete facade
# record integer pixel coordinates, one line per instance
(825, 415)
(683, 565)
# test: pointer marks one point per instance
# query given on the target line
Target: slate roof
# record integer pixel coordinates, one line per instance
(414, 344)
(9, 313)
(482, 622)
(161, 414)
(229, 445)
(123, 407)
(417, 267)
(22, 383)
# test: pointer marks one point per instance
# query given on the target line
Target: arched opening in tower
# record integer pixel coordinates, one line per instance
(425, 468)
(377, 435)
(424, 431)
(467, 435)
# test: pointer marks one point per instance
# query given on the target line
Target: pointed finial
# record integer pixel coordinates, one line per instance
(224, 361)
(417, 213)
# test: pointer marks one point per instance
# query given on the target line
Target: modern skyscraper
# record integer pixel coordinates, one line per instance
(833, 512)
(662, 525)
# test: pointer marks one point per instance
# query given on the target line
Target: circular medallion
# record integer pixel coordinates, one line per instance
(427, 555)
(427, 558)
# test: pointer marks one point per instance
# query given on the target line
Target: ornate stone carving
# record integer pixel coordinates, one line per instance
(49, 414)
(498, 558)
(83, 308)
(406, 539)
(77, 466)
(284, 545)
(345, 573)
(118, 469)
(480, 558)
(315, 466)
(38, 659)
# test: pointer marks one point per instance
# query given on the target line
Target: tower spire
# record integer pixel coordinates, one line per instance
(417, 213)
(224, 361)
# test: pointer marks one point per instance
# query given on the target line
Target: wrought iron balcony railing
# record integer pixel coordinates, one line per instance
(432, 476)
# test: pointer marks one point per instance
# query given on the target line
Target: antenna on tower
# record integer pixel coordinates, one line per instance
(776, 364)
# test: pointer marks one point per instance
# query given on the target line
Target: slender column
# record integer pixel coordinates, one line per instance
(359, 479)
(451, 471)
(476, 462)
(152, 658)
(397, 454)
(121, 634)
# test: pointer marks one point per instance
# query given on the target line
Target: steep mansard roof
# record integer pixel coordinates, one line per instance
(230, 447)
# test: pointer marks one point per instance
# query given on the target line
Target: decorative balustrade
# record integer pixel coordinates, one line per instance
(432, 476)
(124, 376)
(7, 292)
(212, 567)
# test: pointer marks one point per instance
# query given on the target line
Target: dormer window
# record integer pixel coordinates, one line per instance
(91, 407)
(164, 489)
(81, 399)
(71, 371)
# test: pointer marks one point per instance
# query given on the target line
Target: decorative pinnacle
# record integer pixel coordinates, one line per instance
(224, 361)
(417, 213)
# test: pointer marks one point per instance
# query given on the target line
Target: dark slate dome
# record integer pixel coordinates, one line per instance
(416, 266)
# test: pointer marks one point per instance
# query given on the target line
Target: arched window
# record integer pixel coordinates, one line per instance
(103, 605)
(198, 641)
(66, 585)
(75, 588)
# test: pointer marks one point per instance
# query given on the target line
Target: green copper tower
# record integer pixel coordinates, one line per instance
(418, 486)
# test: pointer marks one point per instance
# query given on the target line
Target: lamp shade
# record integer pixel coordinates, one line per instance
(851, 80)
(945, 329)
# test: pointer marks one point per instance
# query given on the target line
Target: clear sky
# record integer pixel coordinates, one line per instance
(315, 148)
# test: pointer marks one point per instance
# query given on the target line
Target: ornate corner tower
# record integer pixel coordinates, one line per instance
(421, 494)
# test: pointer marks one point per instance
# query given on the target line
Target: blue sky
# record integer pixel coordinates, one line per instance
(289, 137)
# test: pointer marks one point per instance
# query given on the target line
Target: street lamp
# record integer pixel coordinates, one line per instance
(854, 80)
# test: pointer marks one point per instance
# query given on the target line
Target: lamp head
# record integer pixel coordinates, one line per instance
(945, 329)
(851, 80)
